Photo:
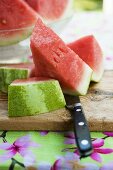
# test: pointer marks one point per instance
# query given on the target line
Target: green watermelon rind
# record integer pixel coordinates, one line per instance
(10, 40)
(97, 76)
(84, 83)
(8, 75)
(34, 98)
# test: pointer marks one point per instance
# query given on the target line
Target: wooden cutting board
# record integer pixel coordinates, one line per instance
(97, 105)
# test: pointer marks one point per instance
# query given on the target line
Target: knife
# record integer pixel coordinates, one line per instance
(81, 130)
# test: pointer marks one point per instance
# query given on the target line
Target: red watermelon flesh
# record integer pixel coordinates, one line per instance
(90, 51)
(16, 21)
(54, 59)
(33, 72)
(30, 80)
(33, 4)
(50, 9)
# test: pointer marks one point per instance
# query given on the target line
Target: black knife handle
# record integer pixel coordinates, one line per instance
(81, 130)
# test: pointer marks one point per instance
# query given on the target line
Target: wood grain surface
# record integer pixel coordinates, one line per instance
(97, 105)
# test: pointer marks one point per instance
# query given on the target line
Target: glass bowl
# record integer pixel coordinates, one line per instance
(15, 53)
(14, 49)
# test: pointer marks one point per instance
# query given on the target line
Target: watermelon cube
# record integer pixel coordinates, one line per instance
(52, 58)
(90, 52)
(34, 96)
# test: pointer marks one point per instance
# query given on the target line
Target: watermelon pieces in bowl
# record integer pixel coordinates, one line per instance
(51, 10)
(56, 13)
(16, 21)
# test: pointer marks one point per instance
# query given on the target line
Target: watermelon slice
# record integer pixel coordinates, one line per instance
(54, 59)
(89, 50)
(33, 4)
(51, 9)
(34, 96)
(16, 21)
(11, 72)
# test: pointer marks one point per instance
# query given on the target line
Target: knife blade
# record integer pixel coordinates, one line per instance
(81, 130)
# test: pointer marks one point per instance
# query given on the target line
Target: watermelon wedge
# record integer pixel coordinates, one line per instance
(54, 59)
(11, 72)
(51, 9)
(34, 96)
(33, 4)
(90, 52)
(17, 19)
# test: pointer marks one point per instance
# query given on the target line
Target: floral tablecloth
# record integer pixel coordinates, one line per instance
(57, 150)
(53, 151)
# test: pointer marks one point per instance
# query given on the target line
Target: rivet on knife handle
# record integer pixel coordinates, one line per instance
(81, 130)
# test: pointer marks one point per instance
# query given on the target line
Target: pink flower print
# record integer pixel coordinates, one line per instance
(97, 150)
(21, 146)
(97, 145)
(29, 160)
(65, 162)
(70, 138)
(71, 161)
(43, 133)
(109, 134)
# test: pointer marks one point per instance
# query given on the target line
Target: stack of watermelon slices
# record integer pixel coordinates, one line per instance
(56, 64)
(54, 59)
(74, 65)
